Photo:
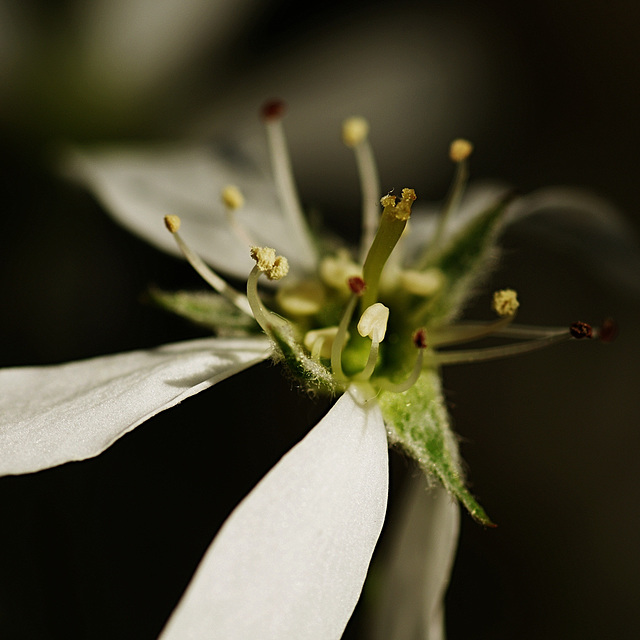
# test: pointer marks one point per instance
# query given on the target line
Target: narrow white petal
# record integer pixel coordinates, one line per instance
(419, 568)
(56, 414)
(139, 186)
(291, 560)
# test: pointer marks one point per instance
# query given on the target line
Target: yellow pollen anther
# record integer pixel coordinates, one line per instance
(422, 283)
(279, 270)
(320, 341)
(505, 302)
(354, 131)
(265, 257)
(172, 223)
(336, 270)
(301, 299)
(373, 322)
(232, 197)
(460, 150)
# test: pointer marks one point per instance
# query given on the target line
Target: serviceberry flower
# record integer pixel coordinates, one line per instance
(370, 325)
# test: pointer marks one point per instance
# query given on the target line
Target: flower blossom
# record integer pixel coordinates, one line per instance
(370, 325)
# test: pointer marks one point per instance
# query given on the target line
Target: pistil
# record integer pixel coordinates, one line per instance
(392, 224)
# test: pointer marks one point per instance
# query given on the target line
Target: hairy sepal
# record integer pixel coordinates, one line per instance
(418, 422)
(207, 309)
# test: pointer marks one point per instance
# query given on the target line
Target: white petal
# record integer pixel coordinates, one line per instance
(55, 414)
(580, 223)
(139, 186)
(290, 561)
(132, 46)
(418, 574)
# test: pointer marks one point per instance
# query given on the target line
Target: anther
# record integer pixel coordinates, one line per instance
(608, 330)
(505, 303)
(232, 197)
(357, 285)
(273, 266)
(419, 338)
(581, 330)
(172, 223)
(373, 322)
(354, 131)
(273, 109)
(460, 150)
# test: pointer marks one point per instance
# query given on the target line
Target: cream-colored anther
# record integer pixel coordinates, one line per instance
(505, 302)
(422, 283)
(460, 150)
(265, 257)
(335, 271)
(232, 197)
(273, 266)
(301, 299)
(354, 131)
(320, 341)
(172, 223)
(373, 322)
(279, 269)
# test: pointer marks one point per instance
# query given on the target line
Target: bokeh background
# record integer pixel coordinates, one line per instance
(548, 93)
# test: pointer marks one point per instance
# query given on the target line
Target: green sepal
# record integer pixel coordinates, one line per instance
(464, 261)
(311, 373)
(418, 422)
(206, 309)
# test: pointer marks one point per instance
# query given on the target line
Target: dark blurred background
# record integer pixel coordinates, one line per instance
(548, 91)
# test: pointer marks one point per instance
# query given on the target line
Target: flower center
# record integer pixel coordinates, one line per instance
(403, 314)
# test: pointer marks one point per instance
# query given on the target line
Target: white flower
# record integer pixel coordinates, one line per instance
(292, 558)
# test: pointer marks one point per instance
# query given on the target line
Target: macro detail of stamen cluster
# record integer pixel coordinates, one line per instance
(383, 314)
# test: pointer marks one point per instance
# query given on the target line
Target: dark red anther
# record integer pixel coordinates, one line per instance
(608, 331)
(273, 109)
(357, 285)
(420, 338)
(580, 330)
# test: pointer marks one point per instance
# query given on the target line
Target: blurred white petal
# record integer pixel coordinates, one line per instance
(132, 46)
(56, 414)
(419, 569)
(139, 186)
(291, 560)
(584, 225)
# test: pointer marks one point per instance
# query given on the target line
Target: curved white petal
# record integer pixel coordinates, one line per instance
(589, 227)
(418, 573)
(139, 186)
(55, 414)
(291, 560)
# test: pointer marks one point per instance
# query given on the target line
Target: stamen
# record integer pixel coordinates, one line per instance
(471, 331)
(420, 341)
(392, 224)
(372, 324)
(274, 267)
(211, 277)
(493, 353)
(303, 299)
(358, 287)
(580, 330)
(422, 283)
(608, 331)
(459, 152)
(320, 342)
(233, 200)
(272, 113)
(505, 304)
(355, 133)
(335, 271)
